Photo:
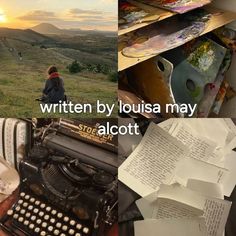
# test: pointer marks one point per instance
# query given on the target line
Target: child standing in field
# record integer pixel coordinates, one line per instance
(54, 87)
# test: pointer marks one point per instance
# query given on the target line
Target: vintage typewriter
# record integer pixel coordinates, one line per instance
(68, 181)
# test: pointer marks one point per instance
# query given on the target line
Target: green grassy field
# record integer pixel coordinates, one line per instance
(21, 82)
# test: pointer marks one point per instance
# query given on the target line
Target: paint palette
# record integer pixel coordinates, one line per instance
(196, 66)
(129, 15)
(165, 35)
(178, 6)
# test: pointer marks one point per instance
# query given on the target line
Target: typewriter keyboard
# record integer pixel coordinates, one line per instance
(38, 218)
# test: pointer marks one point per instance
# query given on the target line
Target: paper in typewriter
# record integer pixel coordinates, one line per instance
(153, 162)
(169, 227)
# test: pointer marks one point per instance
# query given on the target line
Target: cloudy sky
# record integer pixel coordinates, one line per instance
(84, 14)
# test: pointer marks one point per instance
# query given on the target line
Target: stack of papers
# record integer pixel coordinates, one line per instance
(182, 168)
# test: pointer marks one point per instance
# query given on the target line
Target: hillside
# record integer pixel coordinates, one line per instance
(27, 35)
(21, 82)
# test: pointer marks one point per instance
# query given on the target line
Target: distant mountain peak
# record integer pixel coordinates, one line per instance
(46, 28)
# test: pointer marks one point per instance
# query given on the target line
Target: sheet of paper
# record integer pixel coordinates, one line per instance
(195, 169)
(181, 194)
(147, 204)
(230, 182)
(206, 188)
(216, 213)
(201, 148)
(169, 125)
(231, 129)
(215, 210)
(169, 227)
(167, 208)
(175, 201)
(153, 162)
(207, 128)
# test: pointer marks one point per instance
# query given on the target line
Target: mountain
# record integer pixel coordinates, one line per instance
(46, 28)
(50, 29)
(27, 35)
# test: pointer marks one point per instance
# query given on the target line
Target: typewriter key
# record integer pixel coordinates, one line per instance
(25, 204)
(64, 227)
(41, 213)
(30, 207)
(21, 219)
(37, 230)
(50, 228)
(20, 201)
(44, 224)
(38, 221)
(86, 230)
(28, 215)
(22, 194)
(52, 220)
(77, 234)
(18, 208)
(71, 231)
(31, 226)
(43, 233)
(56, 232)
(59, 215)
(26, 222)
(66, 218)
(58, 225)
(43, 205)
(46, 217)
(32, 200)
(37, 203)
(15, 216)
(10, 212)
(22, 211)
(54, 212)
(62, 234)
(36, 210)
(27, 197)
(72, 222)
(48, 208)
(78, 226)
(33, 218)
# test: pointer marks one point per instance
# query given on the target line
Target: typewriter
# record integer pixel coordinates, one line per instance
(68, 181)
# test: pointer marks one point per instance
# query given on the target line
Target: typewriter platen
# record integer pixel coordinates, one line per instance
(68, 186)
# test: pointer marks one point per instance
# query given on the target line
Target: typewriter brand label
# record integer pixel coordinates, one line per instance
(88, 131)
